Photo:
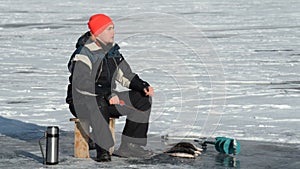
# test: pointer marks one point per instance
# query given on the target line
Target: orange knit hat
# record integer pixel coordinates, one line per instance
(98, 23)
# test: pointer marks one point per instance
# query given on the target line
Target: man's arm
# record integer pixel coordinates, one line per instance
(82, 72)
(127, 78)
(83, 85)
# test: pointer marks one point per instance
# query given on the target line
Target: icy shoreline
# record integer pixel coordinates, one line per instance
(16, 153)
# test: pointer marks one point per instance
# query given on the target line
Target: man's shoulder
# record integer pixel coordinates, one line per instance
(85, 51)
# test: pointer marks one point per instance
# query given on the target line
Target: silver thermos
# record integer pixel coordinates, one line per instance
(52, 137)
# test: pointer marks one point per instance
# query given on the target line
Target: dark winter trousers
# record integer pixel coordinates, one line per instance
(137, 108)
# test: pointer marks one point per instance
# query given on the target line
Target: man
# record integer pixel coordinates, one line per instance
(95, 66)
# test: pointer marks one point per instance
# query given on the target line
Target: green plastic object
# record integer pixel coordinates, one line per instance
(218, 144)
(227, 145)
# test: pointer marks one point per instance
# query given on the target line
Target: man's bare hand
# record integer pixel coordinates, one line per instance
(149, 92)
(114, 100)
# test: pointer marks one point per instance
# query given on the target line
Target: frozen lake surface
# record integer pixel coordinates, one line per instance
(221, 68)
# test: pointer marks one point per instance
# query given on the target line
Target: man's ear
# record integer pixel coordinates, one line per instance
(93, 36)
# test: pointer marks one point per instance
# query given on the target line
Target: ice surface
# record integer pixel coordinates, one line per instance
(219, 68)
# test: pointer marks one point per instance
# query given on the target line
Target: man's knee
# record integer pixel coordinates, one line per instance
(140, 101)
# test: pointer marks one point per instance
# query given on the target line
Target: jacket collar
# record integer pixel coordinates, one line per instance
(92, 46)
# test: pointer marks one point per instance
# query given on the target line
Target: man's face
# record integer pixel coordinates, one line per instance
(107, 36)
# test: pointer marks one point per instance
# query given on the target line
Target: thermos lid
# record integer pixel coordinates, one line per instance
(52, 130)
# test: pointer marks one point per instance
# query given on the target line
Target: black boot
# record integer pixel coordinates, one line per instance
(102, 155)
(132, 150)
(92, 145)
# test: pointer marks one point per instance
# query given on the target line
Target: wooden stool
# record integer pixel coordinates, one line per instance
(81, 146)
